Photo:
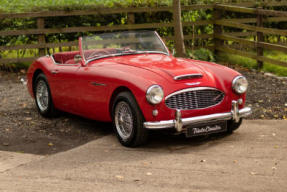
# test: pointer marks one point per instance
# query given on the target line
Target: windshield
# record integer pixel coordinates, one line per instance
(121, 43)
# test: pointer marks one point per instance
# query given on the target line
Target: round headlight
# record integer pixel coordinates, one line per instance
(239, 84)
(154, 94)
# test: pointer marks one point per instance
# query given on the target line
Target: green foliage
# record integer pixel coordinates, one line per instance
(31, 5)
(251, 63)
(92, 20)
(202, 54)
(121, 19)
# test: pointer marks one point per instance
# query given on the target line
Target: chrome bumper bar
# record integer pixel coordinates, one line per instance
(235, 114)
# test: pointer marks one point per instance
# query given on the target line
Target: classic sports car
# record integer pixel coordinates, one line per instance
(131, 79)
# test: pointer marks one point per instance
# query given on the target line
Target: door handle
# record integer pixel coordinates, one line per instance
(54, 71)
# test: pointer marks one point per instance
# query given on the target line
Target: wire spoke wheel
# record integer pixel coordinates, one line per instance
(128, 121)
(42, 95)
(124, 120)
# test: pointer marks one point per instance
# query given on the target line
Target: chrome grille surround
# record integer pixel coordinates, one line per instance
(194, 98)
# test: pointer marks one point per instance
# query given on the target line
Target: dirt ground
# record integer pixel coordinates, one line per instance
(22, 129)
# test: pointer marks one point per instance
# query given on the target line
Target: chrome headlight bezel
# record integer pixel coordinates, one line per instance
(240, 84)
(154, 94)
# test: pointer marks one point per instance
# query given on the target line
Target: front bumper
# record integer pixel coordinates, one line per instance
(179, 123)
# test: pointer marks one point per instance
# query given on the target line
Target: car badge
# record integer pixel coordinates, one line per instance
(191, 84)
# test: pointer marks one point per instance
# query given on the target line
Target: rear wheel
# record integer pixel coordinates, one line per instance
(43, 97)
(128, 121)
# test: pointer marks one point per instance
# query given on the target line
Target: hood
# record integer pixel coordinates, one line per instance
(187, 72)
(167, 66)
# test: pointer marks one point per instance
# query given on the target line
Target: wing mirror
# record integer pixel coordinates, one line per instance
(77, 59)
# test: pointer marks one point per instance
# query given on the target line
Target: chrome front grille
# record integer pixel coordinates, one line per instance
(194, 98)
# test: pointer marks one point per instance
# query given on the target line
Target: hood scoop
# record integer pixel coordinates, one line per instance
(188, 76)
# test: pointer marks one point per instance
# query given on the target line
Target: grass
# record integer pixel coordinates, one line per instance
(251, 63)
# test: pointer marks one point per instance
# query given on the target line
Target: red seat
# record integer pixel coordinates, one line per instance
(65, 57)
(68, 57)
(71, 61)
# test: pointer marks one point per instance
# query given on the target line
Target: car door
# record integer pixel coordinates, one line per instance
(93, 89)
(64, 86)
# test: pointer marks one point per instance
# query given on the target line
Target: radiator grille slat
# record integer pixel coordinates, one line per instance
(194, 99)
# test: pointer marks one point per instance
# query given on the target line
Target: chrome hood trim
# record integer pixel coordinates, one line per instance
(188, 76)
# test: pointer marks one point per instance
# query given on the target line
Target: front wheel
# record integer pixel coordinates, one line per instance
(128, 121)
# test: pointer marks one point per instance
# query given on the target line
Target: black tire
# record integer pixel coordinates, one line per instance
(50, 110)
(138, 134)
(232, 125)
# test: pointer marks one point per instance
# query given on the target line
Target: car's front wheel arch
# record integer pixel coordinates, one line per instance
(115, 93)
(42, 93)
(35, 75)
(138, 134)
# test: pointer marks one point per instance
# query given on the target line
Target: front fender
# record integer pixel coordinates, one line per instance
(43, 65)
(137, 81)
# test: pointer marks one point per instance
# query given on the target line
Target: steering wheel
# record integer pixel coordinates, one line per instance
(98, 53)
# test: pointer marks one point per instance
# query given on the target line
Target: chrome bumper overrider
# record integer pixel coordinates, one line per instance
(179, 123)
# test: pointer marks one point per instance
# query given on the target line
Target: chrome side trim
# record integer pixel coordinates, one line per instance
(178, 122)
(188, 76)
(98, 84)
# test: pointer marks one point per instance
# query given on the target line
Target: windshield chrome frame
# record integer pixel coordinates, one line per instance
(131, 53)
(84, 62)
(167, 50)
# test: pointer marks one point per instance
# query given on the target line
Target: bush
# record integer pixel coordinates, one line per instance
(202, 54)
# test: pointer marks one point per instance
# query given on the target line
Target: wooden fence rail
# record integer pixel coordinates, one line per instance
(250, 27)
(259, 30)
(41, 31)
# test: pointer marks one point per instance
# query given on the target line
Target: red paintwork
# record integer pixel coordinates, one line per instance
(73, 92)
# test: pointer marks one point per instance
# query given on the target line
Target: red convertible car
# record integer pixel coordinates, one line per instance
(131, 79)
